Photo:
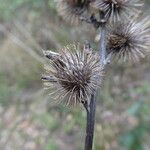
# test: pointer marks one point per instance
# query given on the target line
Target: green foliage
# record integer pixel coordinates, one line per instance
(77, 118)
(8, 91)
(133, 139)
(49, 121)
(52, 146)
(5, 91)
(135, 109)
(69, 126)
(80, 117)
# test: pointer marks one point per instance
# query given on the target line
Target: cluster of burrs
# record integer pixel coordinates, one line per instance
(76, 71)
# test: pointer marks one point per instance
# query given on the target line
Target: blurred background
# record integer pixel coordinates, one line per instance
(28, 120)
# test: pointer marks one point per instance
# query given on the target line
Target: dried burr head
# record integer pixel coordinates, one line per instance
(73, 10)
(129, 41)
(73, 74)
(116, 10)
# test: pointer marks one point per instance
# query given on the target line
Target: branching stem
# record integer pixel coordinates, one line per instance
(91, 108)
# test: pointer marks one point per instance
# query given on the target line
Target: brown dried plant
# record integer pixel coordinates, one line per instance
(76, 72)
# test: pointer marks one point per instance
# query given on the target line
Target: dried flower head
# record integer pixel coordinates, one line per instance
(116, 10)
(73, 75)
(72, 10)
(129, 41)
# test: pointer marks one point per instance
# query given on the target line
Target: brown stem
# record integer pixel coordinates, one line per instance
(91, 108)
(103, 34)
(90, 122)
(102, 46)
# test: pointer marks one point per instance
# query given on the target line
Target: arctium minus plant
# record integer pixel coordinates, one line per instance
(75, 73)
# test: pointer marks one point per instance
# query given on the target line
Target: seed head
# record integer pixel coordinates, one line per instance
(73, 75)
(72, 10)
(116, 10)
(129, 41)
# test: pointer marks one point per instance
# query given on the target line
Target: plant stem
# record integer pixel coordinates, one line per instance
(90, 122)
(102, 45)
(91, 108)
